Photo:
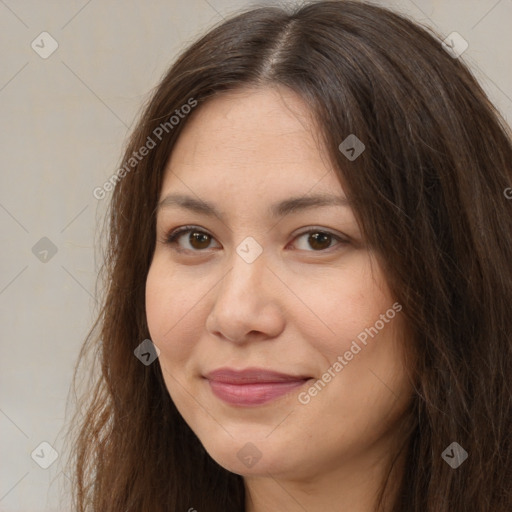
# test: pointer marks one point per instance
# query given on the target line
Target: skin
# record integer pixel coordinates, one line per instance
(294, 309)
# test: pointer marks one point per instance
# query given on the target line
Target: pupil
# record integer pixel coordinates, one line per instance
(317, 240)
(197, 240)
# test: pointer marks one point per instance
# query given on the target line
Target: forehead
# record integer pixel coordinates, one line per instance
(253, 135)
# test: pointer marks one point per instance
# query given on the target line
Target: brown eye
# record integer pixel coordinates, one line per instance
(199, 240)
(316, 240)
(320, 241)
(196, 241)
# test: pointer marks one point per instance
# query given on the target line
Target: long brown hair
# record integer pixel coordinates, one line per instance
(428, 191)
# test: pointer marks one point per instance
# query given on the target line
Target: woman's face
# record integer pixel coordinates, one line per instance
(277, 281)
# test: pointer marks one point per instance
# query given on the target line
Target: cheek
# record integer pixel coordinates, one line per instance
(355, 320)
(174, 310)
(360, 402)
(338, 311)
(172, 306)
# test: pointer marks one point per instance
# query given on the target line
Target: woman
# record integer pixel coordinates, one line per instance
(308, 278)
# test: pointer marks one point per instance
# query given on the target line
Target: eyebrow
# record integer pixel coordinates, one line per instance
(280, 209)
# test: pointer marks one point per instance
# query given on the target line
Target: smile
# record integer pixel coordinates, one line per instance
(251, 387)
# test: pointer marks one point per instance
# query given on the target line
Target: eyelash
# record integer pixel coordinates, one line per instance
(173, 236)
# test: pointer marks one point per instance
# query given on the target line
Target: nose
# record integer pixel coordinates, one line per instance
(247, 304)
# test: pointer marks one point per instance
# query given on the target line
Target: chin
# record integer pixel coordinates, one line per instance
(247, 468)
(250, 457)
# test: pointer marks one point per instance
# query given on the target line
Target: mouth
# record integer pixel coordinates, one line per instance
(252, 386)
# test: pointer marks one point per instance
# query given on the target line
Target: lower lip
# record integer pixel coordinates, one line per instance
(253, 394)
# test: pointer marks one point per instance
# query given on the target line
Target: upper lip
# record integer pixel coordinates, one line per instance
(251, 376)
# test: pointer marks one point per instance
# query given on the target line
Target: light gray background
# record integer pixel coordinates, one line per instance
(64, 120)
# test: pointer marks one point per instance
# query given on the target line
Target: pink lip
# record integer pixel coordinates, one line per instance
(252, 386)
